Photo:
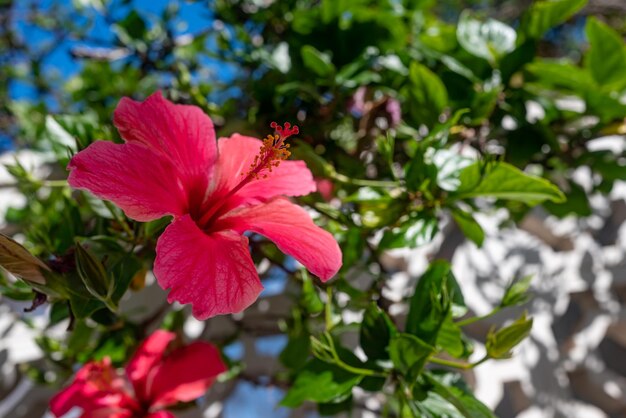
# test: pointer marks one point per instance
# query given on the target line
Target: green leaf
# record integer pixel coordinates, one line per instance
(386, 145)
(376, 332)
(504, 181)
(438, 407)
(451, 387)
(352, 246)
(310, 297)
(440, 35)
(562, 74)
(320, 382)
(83, 307)
(571, 78)
(577, 201)
(317, 61)
(484, 102)
(603, 104)
(154, 228)
(133, 25)
(18, 261)
(450, 338)
(104, 317)
(489, 39)
(427, 93)
(409, 354)
(431, 164)
(329, 350)
(606, 58)
(373, 383)
(333, 409)
(294, 355)
(92, 273)
(499, 344)
(123, 271)
(610, 166)
(471, 229)
(418, 171)
(58, 312)
(516, 292)
(114, 345)
(449, 165)
(546, 14)
(377, 208)
(436, 295)
(58, 135)
(17, 290)
(513, 62)
(411, 234)
(79, 340)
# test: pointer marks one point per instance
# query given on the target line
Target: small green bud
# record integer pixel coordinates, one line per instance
(92, 273)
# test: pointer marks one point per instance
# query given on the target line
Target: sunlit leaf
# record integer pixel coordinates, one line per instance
(317, 61)
(409, 354)
(488, 39)
(606, 58)
(545, 14)
(375, 333)
(450, 387)
(320, 382)
(504, 181)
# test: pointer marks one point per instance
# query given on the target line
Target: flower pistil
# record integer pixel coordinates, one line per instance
(272, 152)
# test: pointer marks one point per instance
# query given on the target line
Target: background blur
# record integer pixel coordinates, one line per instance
(240, 60)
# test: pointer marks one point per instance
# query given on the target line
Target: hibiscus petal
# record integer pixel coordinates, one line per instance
(109, 413)
(95, 388)
(130, 175)
(62, 402)
(181, 133)
(186, 374)
(293, 231)
(161, 414)
(213, 272)
(290, 178)
(146, 358)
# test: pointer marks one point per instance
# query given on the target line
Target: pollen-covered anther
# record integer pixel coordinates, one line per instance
(273, 151)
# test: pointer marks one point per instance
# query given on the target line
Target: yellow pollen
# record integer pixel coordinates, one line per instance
(272, 152)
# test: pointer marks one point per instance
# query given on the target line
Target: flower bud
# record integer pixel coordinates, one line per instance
(92, 273)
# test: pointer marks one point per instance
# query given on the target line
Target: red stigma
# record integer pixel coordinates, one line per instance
(286, 130)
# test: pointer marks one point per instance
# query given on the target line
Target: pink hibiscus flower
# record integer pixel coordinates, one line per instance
(171, 164)
(157, 380)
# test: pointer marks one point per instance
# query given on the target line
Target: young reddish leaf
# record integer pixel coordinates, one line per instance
(18, 261)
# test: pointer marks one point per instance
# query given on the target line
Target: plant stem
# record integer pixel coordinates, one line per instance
(119, 219)
(54, 183)
(347, 367)
(110, 305)
(356, 370)
(457, 364)
(473, 319)
(364, 182)
(328, 309)
(41, 183)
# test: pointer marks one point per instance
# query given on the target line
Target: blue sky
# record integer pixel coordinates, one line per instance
(59, 65)
(191, 18)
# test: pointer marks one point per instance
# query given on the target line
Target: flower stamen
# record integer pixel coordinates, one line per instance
(272, 152)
